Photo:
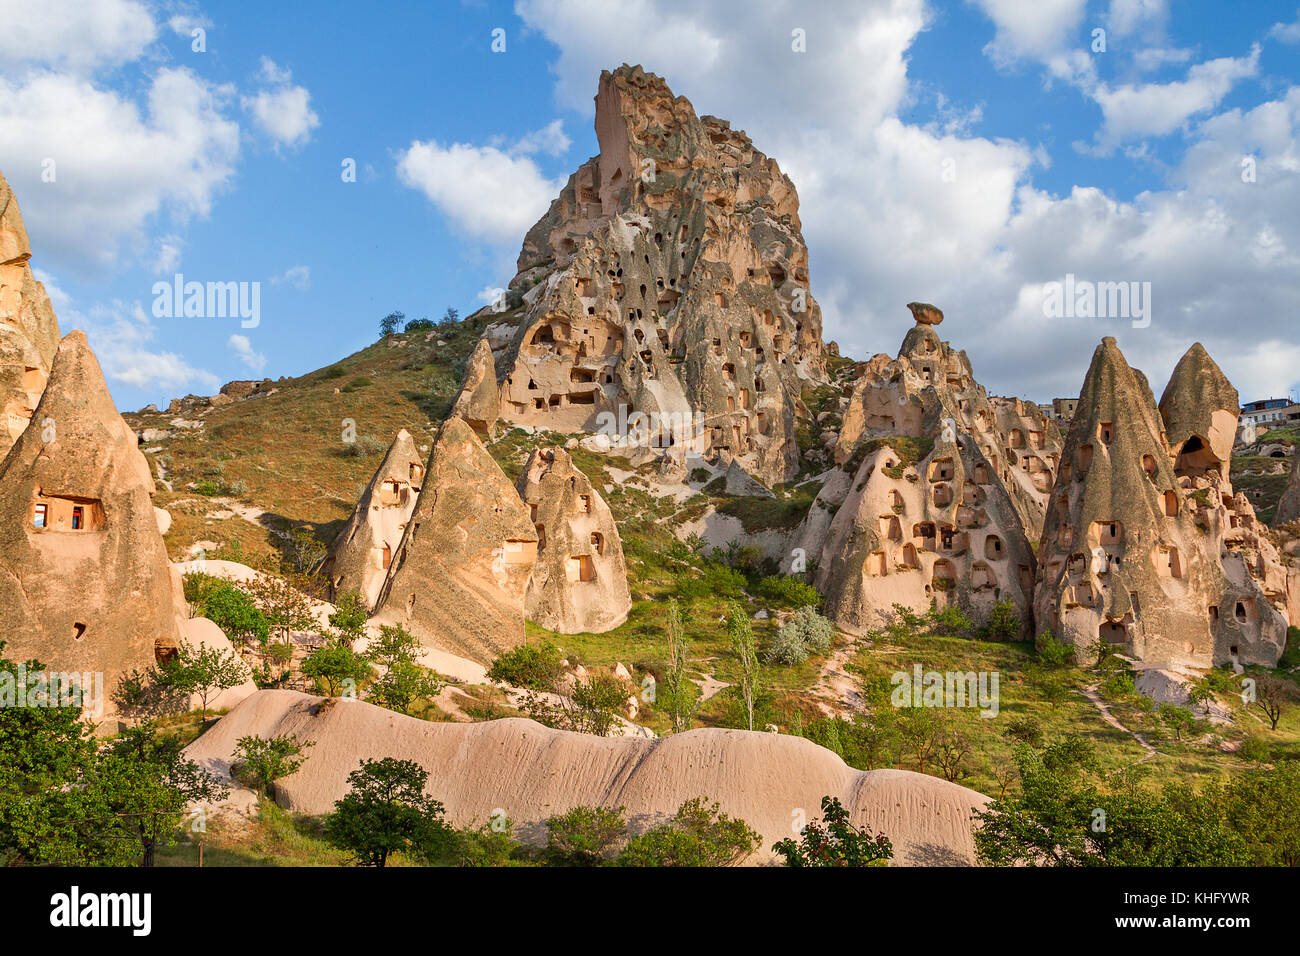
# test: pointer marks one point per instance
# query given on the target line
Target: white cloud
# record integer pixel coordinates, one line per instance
(297, 276)
(120, 333)
(550, 139)
(281, 110)
(243, 348)
(116, 166)
(167, 258)
(1286, 32)
(1041, 31)
(1157, 109)
(492, 194)
(73, 34)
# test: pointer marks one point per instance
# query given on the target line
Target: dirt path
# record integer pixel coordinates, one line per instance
(1091, 693)
(836, 689)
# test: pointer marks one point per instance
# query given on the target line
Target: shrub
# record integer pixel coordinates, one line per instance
(1051, 652)
(806, 633)
(585, 836)
(1118, 685)
(1004, 622)
(259, 762)
(789, 590)
(536, 666)
(698, 835)
(386, 810)
(230, 609)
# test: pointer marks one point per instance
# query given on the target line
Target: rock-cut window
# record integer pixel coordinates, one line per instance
(41, 516)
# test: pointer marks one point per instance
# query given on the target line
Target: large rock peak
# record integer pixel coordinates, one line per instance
(670, 277)
(1200, 409)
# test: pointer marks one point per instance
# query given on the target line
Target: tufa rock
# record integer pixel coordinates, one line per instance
(579, 583)
(669, 277)
(363, 551)
(29, 331)
(84, 580)
(480, 399)
(1145, 546)
(460, 575)
(925, 313)
(1288, 507)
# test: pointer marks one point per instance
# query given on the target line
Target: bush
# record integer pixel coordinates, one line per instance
(1004, 622)
(585, 836)
(789, 590)
(1118, 686)
(1051, 652)
(418, 325)
(535, 666)
(259, 762)
(698, 835)
(806, 633)
(1256, 749)
(230, 609)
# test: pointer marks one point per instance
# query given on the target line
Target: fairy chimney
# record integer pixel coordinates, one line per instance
(480, 399)
(460, 575)
(1131, 547)
(29, 331)
(363, 551)
(579, 583)
(86, 585)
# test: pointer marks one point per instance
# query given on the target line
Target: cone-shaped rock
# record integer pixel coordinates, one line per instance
(479, 400)
(460, 575)
(1200, 409)
(1130, 548)
(669, 276)
(363, 551)
(579, 583)
(29, 332)
(85, 583)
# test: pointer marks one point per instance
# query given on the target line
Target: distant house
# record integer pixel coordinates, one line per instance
(1268, 413)
(1060, 409)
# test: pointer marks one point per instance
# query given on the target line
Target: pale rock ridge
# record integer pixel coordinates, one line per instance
(362, 553)
(669, 276)
(579, 583)
(532, 772)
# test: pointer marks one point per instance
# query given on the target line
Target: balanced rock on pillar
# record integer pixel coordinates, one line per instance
(579, 583)
(460, 575)
(363, 551)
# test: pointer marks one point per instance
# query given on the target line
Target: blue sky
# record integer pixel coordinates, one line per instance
(225, 165)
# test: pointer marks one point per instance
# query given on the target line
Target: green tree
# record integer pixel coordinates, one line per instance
(835, 842)
(232, 610)
(260, 761)
(389, 323)
(336, 667)
(1264, 805)
(403, 680)
(203, 671)
(535, 666)
(386, 810)
(744, 647)
(679, 697)
(349, 617)
(1273, 695)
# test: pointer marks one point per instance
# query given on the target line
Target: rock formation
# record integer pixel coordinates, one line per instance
(938, 490)
(1145, 546)
(670, 276)
(29, 332)
(460, 575)
(533, 772)
(1288, 506)
(363, 551)
(479, 402)
(84, 580)
(579, 583)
